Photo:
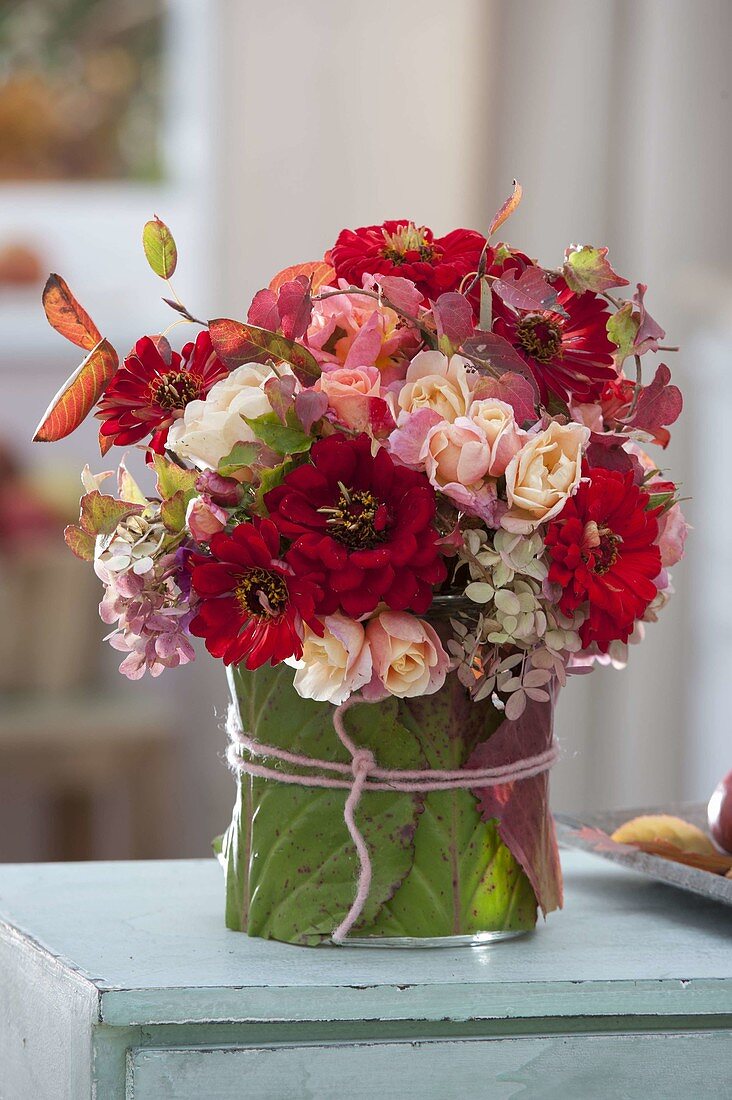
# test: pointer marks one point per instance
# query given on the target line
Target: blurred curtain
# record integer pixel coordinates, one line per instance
(613, 114)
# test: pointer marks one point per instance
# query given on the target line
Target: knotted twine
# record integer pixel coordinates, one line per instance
(364, 774)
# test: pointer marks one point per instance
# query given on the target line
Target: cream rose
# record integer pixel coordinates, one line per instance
(408, 657)
(456, 453)
(208, 430)
(435, 382)
(544, 473)
(335, 665)
(354, 395)
(497, 421)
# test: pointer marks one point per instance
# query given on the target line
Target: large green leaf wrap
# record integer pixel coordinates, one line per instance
(439, 868)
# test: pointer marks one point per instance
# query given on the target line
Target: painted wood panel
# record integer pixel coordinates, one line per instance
(620, 1067)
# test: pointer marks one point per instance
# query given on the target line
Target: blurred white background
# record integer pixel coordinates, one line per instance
(280, 124)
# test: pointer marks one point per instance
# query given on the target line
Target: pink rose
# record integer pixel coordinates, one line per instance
(354, 395)
(497, 421)
(336, 665)
(456, 458)
(408, 657)
(672, 531)
(205, 519)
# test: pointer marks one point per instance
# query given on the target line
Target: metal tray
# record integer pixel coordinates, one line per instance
(591, 833)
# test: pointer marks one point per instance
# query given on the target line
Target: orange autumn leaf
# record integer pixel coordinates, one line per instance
(66, 315)
(78, 395)
(714, 862)
(318, 271)
(507, 209)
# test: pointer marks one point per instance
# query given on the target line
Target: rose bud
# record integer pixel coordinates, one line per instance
(719, 814)
(221, 490)
(205, 519)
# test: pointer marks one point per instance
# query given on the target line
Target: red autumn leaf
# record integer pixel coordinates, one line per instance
(512, 388)
(494, 351)
(78, 396)
(105, 443)
(280, 394)
(162, 344)
(588, 268)
(80, 542)
(319, 272)
(401, 293)
(507, 209)
(658, 404)
(607, 452)
(236, 343)
(453, 316)
(295, 307)
(66, 315)
(521, 808)
(526, 290)
(263, 311)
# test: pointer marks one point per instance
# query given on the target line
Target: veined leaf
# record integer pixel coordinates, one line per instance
(236, 343)
(507, 209)
(240, 456)
(100, 514)
(173, 512)
(285, 439)
(66, 315)
(588, 268)
(80, 542)
(78, 395)
(173, 479)
(159, 246)
(318, 271)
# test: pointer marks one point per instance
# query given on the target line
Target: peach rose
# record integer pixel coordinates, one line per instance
(672, 531)
(497, 421)
(435, 382)
(456, 453)
(544, 473)
(205, 519)
(354, 395)
(335, 665)
(408, 658)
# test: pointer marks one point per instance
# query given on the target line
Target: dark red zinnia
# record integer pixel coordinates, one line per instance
(568, 355)
(434, 264)
(147, 393)
(252, 608)
(361, 525)
(603, 554)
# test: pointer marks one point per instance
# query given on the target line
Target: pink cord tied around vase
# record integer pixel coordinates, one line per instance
(363, 773)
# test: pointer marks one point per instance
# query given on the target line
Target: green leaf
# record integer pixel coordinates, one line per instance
(463, 877)
(241, 455)
(588, 268)
(173, 512)
(101, 514)
(127, 486)
(622, 329)
(159, 246)
(80, 542)
(285, 439)
(290, 863)
(173, 479)
(236, 343)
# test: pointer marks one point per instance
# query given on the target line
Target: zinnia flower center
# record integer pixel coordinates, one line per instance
(358, 519)
(408, 238)
(174, 390)
(539, 337)
(600, 547)
(262, 592)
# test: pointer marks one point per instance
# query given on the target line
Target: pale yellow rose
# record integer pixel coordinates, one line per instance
(544, 473)
(497, 421)
(336, 665)
(435, 382)
(408, 657)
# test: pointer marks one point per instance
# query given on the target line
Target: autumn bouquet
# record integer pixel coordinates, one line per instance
(401, 502)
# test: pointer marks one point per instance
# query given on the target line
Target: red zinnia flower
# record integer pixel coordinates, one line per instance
(602, 550)
(252, 608)
(146, 394)
(570, 355)
(362, 526)
(434, 264)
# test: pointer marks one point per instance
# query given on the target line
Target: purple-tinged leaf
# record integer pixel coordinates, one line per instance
(263, 311)
(295, 307)
(234, 342)
(512, 388)
(658, 404)
(365, 349)
(80, 542)
(489, 347)
(527, 290)
(280, 394)
(453, 316)
(522, 808)
(310, 406)
(163, 346)
(401, 293)
(606, 451)
(649, 332)
(507, 209)
(588, 268)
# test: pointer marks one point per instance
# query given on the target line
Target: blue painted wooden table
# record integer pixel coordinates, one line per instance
(119, 980)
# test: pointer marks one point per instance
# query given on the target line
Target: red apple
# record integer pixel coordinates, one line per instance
(719, 814)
